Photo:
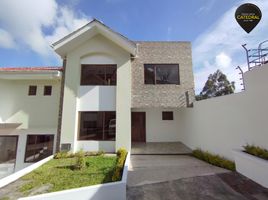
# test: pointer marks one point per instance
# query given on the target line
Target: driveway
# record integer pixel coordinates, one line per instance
(145, 169)
(160, 148)
(186, 178)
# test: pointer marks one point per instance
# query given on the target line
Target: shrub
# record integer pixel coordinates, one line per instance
(62, 154)
(100, 153)
(121, 157)
(79, 153)
(94, 153)
(214, 159)
(80, 162)
(65, 154)
(256, 151)
(4, 198)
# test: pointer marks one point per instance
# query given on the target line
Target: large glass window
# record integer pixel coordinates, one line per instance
(38, 147)
(161, 74)
(98, 75)
(97, 125)
(8, 146)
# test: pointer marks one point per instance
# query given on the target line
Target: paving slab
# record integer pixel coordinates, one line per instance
(181, 177)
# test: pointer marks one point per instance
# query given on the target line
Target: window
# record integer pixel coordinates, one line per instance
(97, 125)
(47, 90)
(8, 146)
(167, 115)
(38, 147)
(161, 74)
(98, 75)
(32, 90)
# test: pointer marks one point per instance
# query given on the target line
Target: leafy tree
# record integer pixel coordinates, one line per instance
(216, 85)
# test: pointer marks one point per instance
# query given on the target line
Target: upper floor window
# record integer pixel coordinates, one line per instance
(47, 90)
(32, 90)
(161, 74)
(98, 75)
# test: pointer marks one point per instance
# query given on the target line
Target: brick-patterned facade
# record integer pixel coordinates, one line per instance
(166, 96)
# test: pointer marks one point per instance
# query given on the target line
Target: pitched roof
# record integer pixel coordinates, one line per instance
(89, 30)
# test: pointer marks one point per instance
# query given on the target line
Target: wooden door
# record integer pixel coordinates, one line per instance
(138, 133)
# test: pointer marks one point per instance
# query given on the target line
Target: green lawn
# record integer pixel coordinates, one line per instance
(59, 174)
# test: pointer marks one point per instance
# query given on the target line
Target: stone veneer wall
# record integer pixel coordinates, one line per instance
(144, 96)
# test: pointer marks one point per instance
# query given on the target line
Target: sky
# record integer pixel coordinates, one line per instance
(29, 27)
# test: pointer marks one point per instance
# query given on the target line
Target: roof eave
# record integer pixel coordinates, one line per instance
(31, 75)
(95, 27)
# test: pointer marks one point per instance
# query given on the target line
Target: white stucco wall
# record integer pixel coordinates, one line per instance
(32, 111)
(107, 146)
(158, 130)
(96, 98)
(97, 50)
(38, 114)
(229, 122)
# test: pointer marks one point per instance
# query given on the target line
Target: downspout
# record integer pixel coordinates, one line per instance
(61, 105)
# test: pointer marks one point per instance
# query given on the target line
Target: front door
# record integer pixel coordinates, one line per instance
(138, 127)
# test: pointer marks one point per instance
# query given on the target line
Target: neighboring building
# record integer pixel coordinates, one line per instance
(114, 92)
(29, 103)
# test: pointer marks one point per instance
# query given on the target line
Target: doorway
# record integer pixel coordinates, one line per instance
(138, 127)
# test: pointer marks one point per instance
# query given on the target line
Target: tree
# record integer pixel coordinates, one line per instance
(216, 85)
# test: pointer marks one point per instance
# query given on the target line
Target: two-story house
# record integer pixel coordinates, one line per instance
(110, 92)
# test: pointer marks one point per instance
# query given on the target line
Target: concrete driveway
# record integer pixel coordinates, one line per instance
(160, 148)
(145, 169)
(156, 177)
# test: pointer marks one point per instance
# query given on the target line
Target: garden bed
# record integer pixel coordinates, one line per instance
(252, 163)
(256, 151)
(214, 159)
(62, 174)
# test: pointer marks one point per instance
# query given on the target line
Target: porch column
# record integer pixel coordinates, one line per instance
(123, 106)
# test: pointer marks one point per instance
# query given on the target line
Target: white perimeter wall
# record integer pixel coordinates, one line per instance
(158, 130)
(229, 122)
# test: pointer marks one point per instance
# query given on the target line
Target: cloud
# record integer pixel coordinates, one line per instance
(220, 46)
(207, 7)
(26, 22)
(66, 22)
(223, 61)
(6, 40)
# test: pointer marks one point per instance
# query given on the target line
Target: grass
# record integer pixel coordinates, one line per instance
(214, 159)
(256, 151)
(4, 198)
(61, 174)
